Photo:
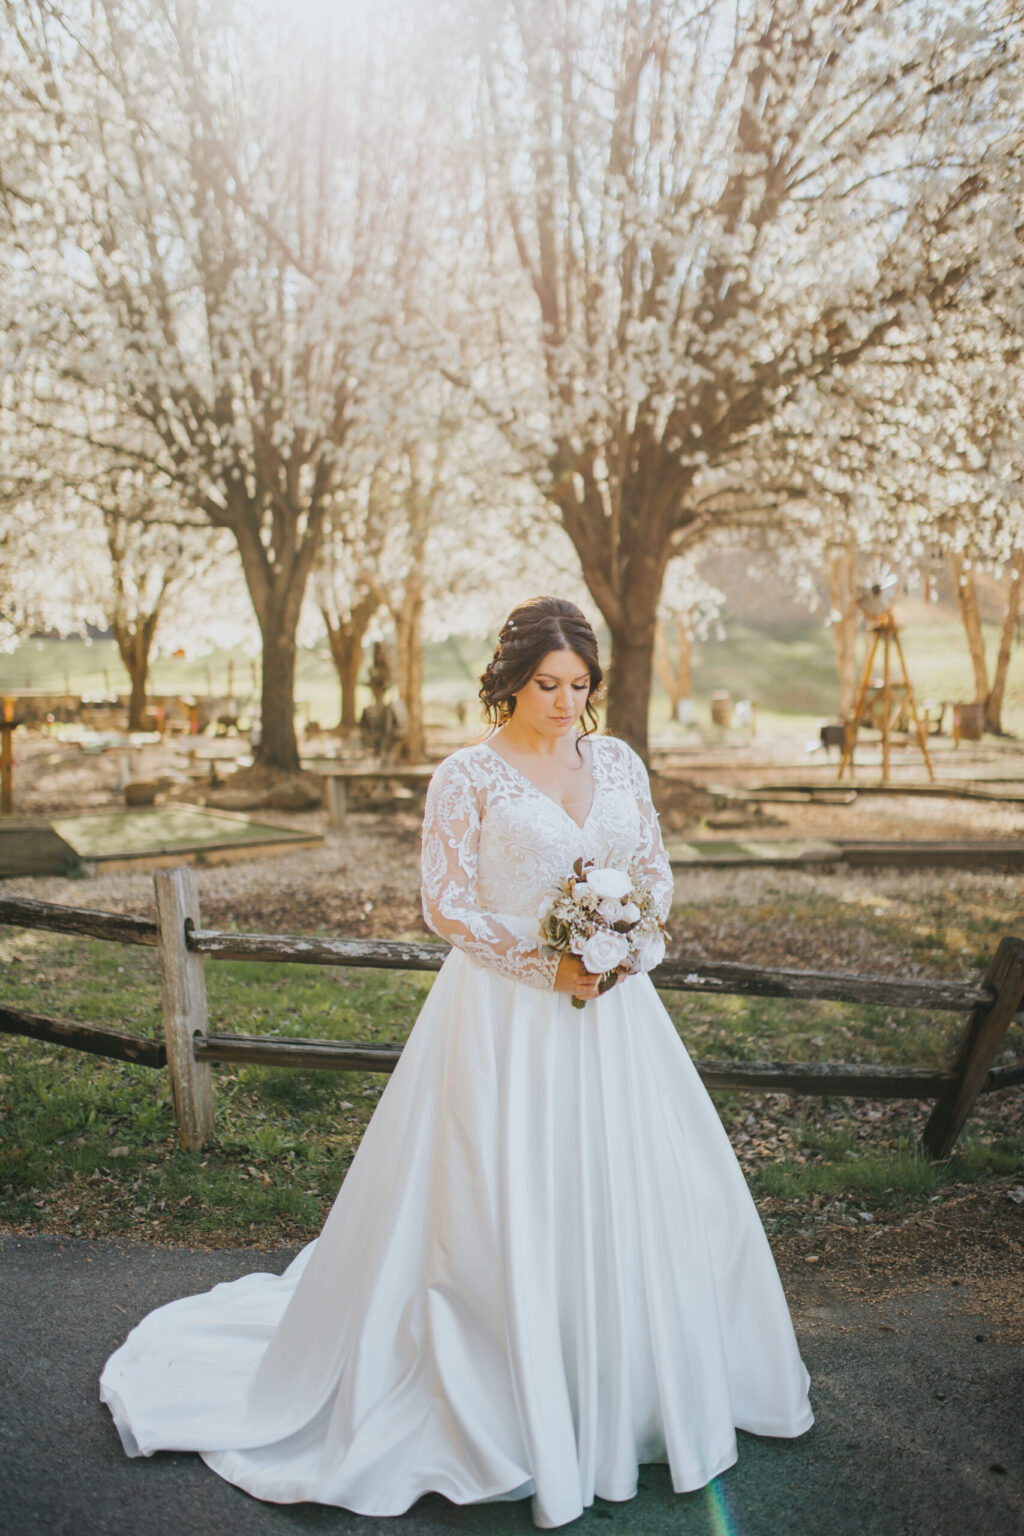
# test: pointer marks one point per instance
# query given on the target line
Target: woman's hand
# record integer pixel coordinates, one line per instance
(572, 978)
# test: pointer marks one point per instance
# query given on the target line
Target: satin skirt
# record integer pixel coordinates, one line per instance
(543, 1269)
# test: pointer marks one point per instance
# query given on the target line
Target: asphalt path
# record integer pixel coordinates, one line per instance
(919, 1422)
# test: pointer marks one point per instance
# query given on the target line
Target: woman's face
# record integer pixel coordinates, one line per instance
(554, 697)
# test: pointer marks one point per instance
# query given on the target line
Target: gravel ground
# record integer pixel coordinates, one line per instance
(371, 866)
(364, 881)
(366, 876)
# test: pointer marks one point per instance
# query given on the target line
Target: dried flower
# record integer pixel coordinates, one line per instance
(608, 918)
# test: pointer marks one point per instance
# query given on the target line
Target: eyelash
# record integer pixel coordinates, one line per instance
(577, 687)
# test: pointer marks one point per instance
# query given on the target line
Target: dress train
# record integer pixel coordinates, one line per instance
(543, 1269)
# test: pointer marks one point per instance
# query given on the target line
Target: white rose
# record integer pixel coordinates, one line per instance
(649, 953)
(630, 913)
(610, 910)
(580, 891)
(604, 951)
(609, 882)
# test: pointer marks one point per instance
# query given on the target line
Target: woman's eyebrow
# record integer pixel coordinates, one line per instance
(551, 676)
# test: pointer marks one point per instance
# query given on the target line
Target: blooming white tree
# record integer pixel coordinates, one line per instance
(910, 461)
(245, 255)
(111, 550)
(711, 206)
(454, 539)
(204, 254)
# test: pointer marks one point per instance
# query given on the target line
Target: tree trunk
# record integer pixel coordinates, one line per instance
(409, 645)
(676, 673)
(632, 621)
(276, 588)
(994, 701)
(629, 685)
(967, 598)
(666, 671)
(840, 571)
(278, 746)
(685, 639)
(625, 576)
(349, 667)
(137, 697)
(345, 638)
(134, 643)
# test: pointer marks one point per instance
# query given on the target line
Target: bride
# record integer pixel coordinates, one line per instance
(544, 1267)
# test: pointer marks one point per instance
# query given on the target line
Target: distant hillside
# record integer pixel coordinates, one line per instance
(763, 605)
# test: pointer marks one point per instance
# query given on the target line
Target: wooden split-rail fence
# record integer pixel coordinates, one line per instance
(189, 1046)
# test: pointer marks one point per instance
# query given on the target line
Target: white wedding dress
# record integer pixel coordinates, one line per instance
(543, 1268)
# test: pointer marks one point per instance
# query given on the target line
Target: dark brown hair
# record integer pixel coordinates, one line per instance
(532, 629)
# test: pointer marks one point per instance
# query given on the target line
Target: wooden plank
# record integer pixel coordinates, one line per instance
(29, 845)
(730, 979)
(230, 853)
(415, 773)
(266, 1050)
(791, 853)
(845, 1080)
(821, 794)
(7, 729)
(945, 788)
(818, 1078)
(994, 854)
(337, 800)
(118, 927)
(751, 853)
(1003, 1077)
(184, 1006)
(104, 837)
(388, 954)
(118, 1044)
(978, 1048)
(724, 978)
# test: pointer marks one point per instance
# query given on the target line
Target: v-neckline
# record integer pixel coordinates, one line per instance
(581, 826)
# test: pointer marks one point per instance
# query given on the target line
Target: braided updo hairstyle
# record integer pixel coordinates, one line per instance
(532, 629)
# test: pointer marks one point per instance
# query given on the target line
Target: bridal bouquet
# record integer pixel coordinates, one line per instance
(607, 918)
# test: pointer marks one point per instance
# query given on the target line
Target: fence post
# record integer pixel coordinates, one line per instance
(337, 800)
(183, 986)
(979, 1045)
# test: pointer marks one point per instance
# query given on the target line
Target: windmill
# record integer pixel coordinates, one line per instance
(883, 705)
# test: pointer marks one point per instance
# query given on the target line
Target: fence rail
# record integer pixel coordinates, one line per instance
(86, 921)
(189, 1047)
(724, 978)
(118, 1044)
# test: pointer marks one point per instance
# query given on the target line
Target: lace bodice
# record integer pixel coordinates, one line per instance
(494, 844)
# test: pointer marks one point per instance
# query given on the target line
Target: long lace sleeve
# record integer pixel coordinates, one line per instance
(451, 838)
(650, 857)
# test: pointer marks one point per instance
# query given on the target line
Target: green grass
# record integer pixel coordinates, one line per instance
(88, 1145)
(885, 1180)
